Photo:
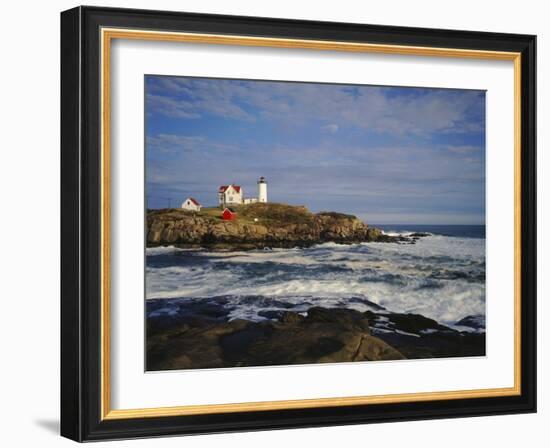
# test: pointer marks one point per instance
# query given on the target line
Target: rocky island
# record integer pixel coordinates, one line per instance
(258, 226)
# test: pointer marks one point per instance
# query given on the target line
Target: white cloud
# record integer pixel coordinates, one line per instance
(192, 98)
(418, 111)
(465, 149)
(170, 107)
(173, 144)
(331, 128)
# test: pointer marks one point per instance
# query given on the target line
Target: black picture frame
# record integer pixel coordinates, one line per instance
(81, 224)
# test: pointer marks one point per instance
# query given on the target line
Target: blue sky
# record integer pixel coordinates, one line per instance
(391, 155)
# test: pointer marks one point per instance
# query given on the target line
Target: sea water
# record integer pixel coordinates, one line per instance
(441, 276)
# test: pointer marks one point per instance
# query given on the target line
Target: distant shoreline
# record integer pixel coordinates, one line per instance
(453, 230)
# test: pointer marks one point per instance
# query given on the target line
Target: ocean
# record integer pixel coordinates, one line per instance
(441, 277)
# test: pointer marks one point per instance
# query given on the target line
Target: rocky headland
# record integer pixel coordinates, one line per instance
(258, 226)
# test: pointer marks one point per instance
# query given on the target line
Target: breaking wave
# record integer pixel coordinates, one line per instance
(440, 277)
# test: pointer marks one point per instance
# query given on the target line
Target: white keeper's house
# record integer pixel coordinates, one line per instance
(234, 195)
(230, 195)
(191, 204)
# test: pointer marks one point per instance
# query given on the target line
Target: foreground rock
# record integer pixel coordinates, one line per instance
(197, 333)
(418, 337)
(335, 335)
(259, 226)
(476, 322)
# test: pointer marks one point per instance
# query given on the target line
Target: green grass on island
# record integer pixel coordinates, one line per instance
(258, 213)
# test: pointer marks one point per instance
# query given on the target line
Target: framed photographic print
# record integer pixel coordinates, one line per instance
(273, 223)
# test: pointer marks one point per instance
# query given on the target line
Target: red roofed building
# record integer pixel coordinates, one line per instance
(191, 204)
(230, 195)
(228, 215)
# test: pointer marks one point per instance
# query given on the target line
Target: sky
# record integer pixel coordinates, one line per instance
(390, 155)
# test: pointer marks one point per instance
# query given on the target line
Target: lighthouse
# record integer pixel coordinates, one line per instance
(262, 190)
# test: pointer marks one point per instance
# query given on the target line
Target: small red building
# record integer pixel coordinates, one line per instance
(228, 215)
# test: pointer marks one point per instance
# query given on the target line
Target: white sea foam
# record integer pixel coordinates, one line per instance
(165, 250)
(439, 277)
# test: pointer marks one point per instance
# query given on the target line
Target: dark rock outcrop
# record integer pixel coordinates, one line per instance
(418, 337)
(322, 336)
(476, 322)
(258, 226)
(190, 334)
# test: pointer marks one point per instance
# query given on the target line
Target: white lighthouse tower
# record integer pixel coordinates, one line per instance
(262, 190)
